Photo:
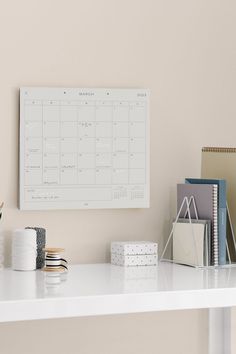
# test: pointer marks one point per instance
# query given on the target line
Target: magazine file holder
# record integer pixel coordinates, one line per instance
(185, 203)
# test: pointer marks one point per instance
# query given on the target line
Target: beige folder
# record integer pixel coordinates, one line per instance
(190, 243)
(221, 163)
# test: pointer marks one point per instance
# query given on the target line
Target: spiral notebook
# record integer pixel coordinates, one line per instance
(221, 183)
(206, 200)
(220, 162)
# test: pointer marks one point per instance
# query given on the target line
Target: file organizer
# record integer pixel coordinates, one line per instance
(187, 202)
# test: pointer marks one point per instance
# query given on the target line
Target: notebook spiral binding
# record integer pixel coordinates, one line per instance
(219, 149)
(215, 227)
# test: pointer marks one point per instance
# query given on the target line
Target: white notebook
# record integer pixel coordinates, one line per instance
(191, 244)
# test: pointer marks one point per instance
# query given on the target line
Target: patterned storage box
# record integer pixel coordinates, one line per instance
(134, 260)
(138, 253)
(134, 248)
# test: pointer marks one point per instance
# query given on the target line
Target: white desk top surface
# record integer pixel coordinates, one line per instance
(102, 289)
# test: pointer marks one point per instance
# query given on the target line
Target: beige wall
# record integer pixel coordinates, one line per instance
(162, 333)
(185, 52)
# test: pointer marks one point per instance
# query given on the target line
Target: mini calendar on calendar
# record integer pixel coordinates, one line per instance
(84, 148)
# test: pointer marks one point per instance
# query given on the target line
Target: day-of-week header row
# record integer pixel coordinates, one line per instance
(83, 103)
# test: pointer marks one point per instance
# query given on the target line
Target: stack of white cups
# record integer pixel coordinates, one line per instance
(24, 249)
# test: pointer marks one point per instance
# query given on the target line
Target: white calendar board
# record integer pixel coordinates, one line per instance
(84, 148)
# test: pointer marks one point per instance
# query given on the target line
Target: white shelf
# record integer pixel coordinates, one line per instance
(102, 289)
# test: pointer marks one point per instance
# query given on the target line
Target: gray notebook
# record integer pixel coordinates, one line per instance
(206, 200)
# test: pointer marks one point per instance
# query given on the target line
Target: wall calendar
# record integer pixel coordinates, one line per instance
(84, 148)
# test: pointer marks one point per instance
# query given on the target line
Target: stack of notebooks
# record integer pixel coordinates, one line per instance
(204, 242)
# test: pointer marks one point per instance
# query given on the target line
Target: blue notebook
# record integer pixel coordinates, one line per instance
(222, 213)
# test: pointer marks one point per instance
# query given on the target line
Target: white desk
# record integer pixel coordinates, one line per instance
(102, 289)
